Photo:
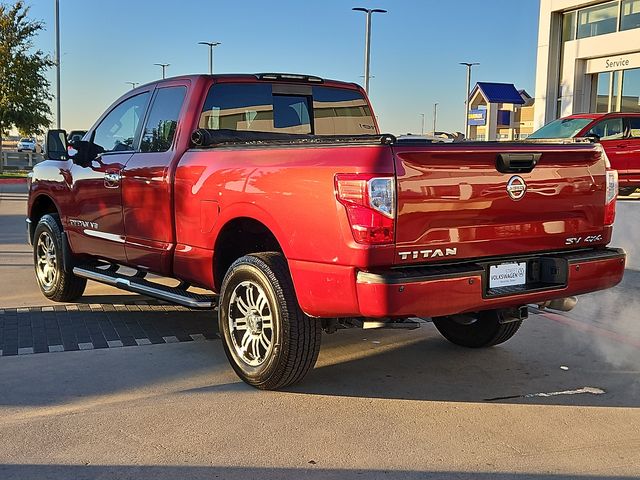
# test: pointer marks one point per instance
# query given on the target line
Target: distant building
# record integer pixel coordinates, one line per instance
(588, 58)
(499, 111)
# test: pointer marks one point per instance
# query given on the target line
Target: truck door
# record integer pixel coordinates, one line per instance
(147, 182)
(95, 223)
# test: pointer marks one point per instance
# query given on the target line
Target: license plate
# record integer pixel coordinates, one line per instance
(507, 275)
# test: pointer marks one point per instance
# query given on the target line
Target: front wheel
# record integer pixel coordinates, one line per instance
(485, 330)
(269, 341)
(54, 282)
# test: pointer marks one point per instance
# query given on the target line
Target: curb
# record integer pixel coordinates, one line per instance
(12, 181)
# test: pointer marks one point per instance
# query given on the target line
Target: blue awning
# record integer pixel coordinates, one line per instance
(499, 93)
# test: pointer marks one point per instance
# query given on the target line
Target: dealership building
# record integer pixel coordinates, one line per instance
(588, 58)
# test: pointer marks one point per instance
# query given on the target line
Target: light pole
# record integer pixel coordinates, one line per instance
(163, 66)
(57, 60)
(367, 44)
(435, 117)
(466, 97)
(211, 46)
(422, 129)
(133, 84)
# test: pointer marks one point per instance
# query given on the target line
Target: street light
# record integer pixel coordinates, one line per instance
(367, 44)
(133, 84)
(466, 97)
(435, 117)
(163, 66)
(211, 46)
(57, 60)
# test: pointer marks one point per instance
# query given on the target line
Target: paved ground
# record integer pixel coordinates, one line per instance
(382, 404)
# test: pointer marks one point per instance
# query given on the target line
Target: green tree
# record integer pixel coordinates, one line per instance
(24, 88)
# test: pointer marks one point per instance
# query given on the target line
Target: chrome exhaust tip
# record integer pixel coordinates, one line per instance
(561, 304)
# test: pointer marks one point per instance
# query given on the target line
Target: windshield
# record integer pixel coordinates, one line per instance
(562, 128)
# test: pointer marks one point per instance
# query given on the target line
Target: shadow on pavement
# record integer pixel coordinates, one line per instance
(77, 472)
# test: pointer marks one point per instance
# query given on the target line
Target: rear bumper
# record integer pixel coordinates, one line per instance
(440, 291)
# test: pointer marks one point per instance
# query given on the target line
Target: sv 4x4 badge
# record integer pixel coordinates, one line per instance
(579, 240)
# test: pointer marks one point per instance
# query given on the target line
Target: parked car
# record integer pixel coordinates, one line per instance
(28, 145)
(75, 135)
(279, 195)
(619, 134)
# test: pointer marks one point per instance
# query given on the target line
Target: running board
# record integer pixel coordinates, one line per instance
(144, 287)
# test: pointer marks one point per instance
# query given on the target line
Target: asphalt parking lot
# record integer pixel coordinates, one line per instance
(121, 386)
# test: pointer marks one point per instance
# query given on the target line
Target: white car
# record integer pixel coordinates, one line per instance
(28, 145)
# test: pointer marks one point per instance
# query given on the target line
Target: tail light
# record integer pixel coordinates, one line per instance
(611, 192)
(370, 202)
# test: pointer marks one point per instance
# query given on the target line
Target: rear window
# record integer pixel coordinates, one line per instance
(25, 139)
(298, 109)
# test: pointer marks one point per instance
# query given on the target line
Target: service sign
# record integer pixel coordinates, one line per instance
(616, 62)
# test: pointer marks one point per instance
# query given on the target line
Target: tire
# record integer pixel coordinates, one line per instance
(280, 344)
(54, 282)
(485, 331)
(626, 191)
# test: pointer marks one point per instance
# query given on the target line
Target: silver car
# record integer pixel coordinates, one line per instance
(28, 145)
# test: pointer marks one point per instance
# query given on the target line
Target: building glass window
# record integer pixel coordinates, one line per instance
(631, 91)
(630, 14)
(603, 90)
(598, 20)
(569, 26)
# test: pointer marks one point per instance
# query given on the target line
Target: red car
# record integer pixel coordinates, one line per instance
(278, 194)
(619, 134)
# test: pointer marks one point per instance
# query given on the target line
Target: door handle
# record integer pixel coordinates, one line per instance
(112, 180)
(621, 145)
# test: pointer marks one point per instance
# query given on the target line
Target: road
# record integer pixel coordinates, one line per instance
(379, 404)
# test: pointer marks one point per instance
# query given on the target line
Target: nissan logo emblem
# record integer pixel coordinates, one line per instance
(516, 187)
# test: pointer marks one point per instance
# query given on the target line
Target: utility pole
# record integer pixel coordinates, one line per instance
(367, 43)
(211, 46)
(422, 129)
(164, 67)
(466, 97)
(435, 117)
(57, 60)
(133, 84)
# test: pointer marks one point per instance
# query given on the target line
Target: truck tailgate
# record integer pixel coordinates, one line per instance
(454, 204)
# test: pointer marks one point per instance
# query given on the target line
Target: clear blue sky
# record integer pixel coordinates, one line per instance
(416, 48)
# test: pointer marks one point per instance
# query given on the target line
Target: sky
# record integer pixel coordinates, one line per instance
(415, 50)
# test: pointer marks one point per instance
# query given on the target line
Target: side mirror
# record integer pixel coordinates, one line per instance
(56, 145)
(593, 136)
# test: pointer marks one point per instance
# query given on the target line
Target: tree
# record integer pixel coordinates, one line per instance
(24, 88)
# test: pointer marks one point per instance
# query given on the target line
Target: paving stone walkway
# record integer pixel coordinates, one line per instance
(61, 328)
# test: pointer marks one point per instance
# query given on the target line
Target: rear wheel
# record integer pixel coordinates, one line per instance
(484, 330)
(269, 341)
(54, 282)
(626, 191)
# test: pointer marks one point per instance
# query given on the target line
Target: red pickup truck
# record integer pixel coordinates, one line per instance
(278, 195)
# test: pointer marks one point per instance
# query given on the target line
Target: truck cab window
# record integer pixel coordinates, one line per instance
(254, 107)
(117, 131)
(162, 123)
(610, 129)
